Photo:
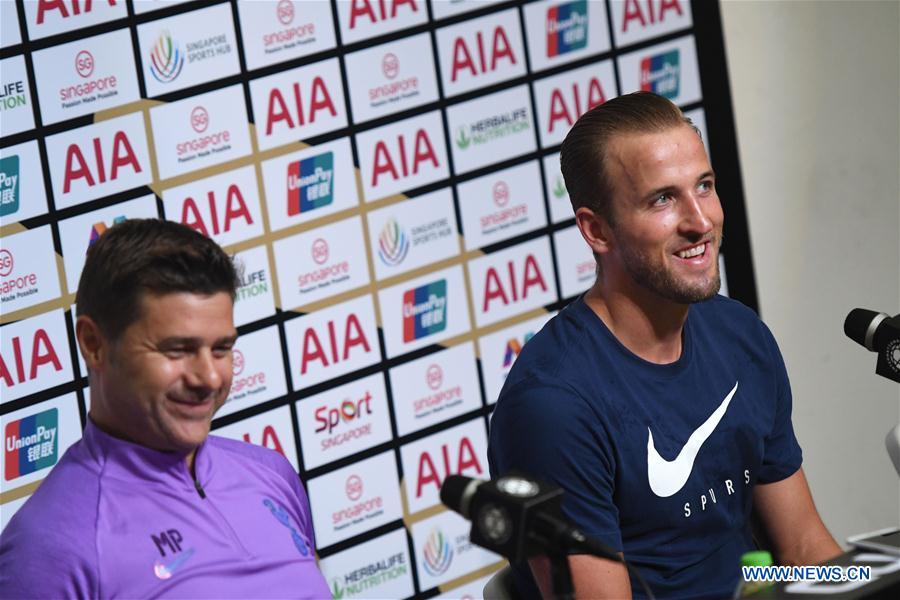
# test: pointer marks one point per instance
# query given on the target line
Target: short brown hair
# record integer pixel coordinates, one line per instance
(141, 256)
(583, 153)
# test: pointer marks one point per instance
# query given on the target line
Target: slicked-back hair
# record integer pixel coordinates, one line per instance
(583, 152)
(148, 256)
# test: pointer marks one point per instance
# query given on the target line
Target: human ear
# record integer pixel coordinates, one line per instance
(91, 341)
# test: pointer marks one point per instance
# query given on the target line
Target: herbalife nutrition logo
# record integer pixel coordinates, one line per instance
(566, 27)
(438, 554)
(362, 581)
(492, 128)
(393, 243)
(166, 59)
(660, 74)
(9, 185)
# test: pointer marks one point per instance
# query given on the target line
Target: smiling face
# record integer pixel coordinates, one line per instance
(160, 383)
(666, 217)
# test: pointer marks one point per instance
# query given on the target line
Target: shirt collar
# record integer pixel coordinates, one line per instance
(123, 460)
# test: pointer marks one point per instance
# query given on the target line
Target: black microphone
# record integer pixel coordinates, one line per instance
(518, 517)
(877, 332)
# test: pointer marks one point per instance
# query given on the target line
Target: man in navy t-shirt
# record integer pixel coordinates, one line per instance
(662, 409)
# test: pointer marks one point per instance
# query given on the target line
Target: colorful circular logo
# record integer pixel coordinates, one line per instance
(438, 554)
(393, 243)
(84, 63)
(434, 376)
(237, 363)
(285, 12)
(6, 263)
(320, 251)
(199, 119)
(354, 488)
(390, 65)
(501, 194)
(166, 59)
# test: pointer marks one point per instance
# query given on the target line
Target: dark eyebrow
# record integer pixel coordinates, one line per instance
(707, 175)
(192, 341)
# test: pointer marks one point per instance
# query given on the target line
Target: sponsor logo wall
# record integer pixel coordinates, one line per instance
(394, 202)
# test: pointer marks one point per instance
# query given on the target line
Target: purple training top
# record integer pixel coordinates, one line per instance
(114, 519)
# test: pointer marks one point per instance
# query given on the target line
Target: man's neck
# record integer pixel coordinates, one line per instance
(649, 326)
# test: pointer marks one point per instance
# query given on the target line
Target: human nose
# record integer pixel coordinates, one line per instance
(203, 373)
(695, 217)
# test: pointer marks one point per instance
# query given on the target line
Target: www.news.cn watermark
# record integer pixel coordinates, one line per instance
(833, 573)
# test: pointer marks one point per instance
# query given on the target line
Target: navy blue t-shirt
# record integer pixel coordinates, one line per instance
(657, 461)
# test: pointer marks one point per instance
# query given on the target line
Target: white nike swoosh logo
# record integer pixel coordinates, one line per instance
(667, 477)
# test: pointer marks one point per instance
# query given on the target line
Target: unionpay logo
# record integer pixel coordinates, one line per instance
(660, 74)
(513, 348)
(567, 26)
(309, 183)
(99, 229)
(31, 444)
(424, 310)
(9, 185)
(166, 59)
(437, 554)
(393, 243)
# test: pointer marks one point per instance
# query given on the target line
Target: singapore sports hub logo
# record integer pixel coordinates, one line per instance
(166, 59)
(438, 553)
(393, 243)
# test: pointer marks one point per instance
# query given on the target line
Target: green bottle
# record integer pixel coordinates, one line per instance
(757, 558)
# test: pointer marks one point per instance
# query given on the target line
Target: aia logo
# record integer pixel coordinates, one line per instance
(166, 59)
(434, 376)
(84, 63)
(320, 251)
(354, 488)
(501, 194)
(285, 12)
(199, 119)
(6, 262)
(237, 363)
(390, 65)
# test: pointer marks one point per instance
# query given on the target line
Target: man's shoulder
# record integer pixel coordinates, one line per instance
(730, 318)
(553, 350)
(252, 455)
(56, 526)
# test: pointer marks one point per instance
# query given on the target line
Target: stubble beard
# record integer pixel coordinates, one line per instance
(663, 281)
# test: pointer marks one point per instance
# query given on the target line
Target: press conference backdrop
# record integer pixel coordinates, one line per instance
(387, 173)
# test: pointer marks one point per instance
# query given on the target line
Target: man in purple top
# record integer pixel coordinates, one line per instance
(146, 504)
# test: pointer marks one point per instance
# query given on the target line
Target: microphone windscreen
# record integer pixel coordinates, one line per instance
(452, 491)
(857, 324)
